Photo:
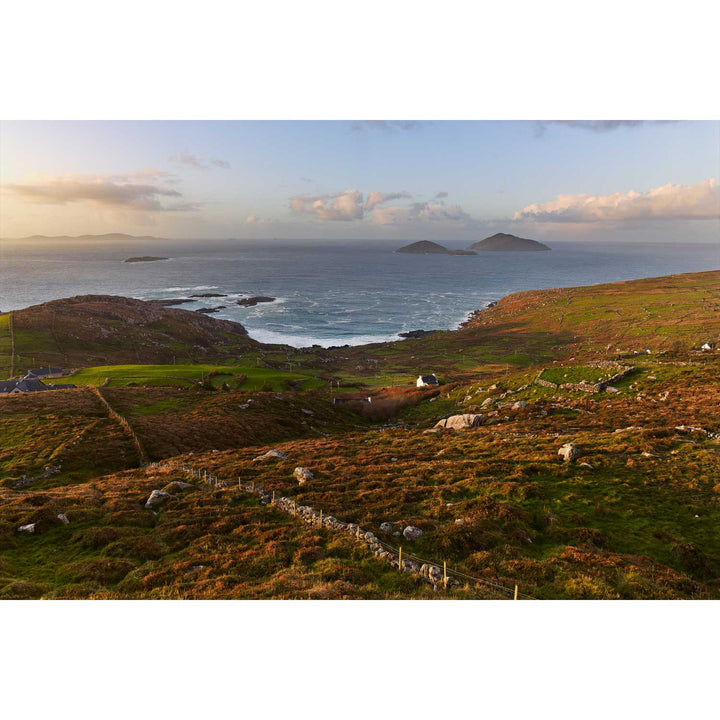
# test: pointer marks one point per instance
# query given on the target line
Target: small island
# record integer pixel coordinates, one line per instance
(144, 258)
(504, 242)
(252, 301)
(426, 247)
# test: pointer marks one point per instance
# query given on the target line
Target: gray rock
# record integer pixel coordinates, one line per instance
(29, 528)
(386, 527)
(157, 496)
(271, 454)
(569, 452)
(460, 422)
(63, 518)
(519, 405)
(412, 533)
(302, 475)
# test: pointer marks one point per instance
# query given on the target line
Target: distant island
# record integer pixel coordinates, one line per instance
(426, 247)
(144, 258)
(109, 237)
(504, 242)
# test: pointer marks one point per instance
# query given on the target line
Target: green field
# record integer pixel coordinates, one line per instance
(187, 375)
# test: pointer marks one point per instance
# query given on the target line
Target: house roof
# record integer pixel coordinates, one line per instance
(40, 372)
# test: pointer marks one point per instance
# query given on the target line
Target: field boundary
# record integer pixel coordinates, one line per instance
(144, 459)
(437, 574)
(12, 345)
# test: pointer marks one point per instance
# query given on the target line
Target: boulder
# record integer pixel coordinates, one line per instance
(412, 533)
(569, 452)
(487, 402)
(271, 454)
(177, 486)
(460, 422)
(29, 528)
(302, 475)
(386, 527)
(63, 518)
(157, 496)
(519, 405)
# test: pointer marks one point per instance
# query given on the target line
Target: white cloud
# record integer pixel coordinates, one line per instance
(419, 212)
(689, 202)
(101, 190)
(349, 205)
(376, 198)
(186, 158)
(343, 206)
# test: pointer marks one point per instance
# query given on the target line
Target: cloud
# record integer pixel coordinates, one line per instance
(419, 212)
(441, 194)
(349, 205)
(343, 206)
(254, 220)
(186, 158)
(101, 190)
(385, 125)
(688, 202)
(376, 198)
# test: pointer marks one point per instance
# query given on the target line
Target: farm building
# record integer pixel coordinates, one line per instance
(427, 380)
(43, 372)
(29, 385)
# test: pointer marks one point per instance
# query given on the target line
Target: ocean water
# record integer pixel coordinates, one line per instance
(326, 294)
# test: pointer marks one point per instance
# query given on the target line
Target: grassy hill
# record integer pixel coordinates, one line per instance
(634, 516)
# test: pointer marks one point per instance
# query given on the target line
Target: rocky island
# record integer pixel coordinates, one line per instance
(426, 247)
(252, 301)
(144, 258)
(504, 242)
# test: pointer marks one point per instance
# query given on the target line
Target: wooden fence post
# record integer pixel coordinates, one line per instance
(400, 558)
(273, 497)
(321, 516)
(445, 574)
(516, 589)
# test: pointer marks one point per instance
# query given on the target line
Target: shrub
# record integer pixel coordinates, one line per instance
(101, 570)
(21, 590)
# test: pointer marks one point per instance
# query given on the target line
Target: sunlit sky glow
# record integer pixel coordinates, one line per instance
(628, 181)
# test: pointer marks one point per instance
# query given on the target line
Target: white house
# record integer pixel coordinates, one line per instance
(427, 380)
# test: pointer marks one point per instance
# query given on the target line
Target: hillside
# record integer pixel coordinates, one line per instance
(632, 515)
(95, 329)
(504, 242)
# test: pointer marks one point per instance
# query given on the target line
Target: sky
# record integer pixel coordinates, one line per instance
(449, 181)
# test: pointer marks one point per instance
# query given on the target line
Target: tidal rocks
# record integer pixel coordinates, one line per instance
(252, 301)
(302, 475)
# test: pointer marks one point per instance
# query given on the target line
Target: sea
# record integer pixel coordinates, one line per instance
(326, 294)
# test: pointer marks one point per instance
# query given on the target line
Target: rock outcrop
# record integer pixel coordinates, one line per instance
(460, 422)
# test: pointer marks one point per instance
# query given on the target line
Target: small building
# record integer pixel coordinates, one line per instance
(427, 381)
(29, 385)
(43, 372)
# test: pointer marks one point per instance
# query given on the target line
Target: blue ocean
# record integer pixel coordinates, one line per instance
(326, 294)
